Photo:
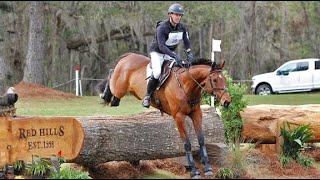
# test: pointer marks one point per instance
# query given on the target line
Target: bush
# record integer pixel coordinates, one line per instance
(284, 160)
(18, 167)
(69, 173)
(238, 158)
(38, 167)
(293, 140)
(224, 173)
(206, 98)
(231, 116)
(305, 161)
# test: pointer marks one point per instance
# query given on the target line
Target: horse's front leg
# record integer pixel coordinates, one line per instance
(196, 117)
(179, 118)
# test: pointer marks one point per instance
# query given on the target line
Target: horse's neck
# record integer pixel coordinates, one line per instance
(195, 75)
(199, 71)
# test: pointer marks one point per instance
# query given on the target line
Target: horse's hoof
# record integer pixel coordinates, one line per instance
(208, 173)
(195, 174)
(146, 105)
(146, 102)
(196, 177)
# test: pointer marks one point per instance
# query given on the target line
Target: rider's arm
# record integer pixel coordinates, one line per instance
(186, 39)
(162, 40)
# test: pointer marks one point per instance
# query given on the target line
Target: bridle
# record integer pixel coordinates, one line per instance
(224, 89)
(214, 88)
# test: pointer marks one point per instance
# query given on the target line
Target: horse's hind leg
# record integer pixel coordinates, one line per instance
(108, 95)
(179, 117)
(196, 117)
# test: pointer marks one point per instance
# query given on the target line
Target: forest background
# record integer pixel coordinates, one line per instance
(41, 42)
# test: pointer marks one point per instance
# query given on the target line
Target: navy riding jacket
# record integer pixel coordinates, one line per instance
(168, 37)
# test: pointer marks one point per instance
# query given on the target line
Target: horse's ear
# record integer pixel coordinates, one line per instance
(213, 66)
(222, 65)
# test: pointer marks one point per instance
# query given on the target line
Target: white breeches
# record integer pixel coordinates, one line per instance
(157, 60)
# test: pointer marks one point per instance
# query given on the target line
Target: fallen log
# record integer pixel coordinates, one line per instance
(262, 123)
(143, 136)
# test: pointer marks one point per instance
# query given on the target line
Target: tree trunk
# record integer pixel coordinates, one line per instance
(201, 43)
(143, 136)
(4, 72)
(284, 34)
(34, 69)
(253, 43)
(262, 123)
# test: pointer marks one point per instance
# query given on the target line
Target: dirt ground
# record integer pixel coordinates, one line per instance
(30, 90)
(260, 164)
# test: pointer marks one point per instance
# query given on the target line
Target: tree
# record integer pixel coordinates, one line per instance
(3, 74)
(34, 68)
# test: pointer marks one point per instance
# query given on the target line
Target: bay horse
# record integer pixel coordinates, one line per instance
(180, 95)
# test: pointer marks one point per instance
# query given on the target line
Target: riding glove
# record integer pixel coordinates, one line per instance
(178, 59)
(190, 57)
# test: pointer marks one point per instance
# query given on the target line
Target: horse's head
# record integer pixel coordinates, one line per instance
(215, 84)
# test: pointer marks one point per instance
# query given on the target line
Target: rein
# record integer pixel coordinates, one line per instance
(199, 85)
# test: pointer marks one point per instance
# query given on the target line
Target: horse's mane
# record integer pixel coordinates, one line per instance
(202, 61)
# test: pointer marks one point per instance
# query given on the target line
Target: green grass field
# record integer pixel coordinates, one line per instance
(285, 99)
(82, 106)
(90, 105)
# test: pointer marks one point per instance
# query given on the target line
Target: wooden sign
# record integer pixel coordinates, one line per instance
(21, 138)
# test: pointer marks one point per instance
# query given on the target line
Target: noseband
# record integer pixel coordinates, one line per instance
(217, 89)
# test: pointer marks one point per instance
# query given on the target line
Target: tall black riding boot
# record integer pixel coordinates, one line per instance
(152, 85)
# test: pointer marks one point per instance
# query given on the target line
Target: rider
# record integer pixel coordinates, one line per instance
(168, 35)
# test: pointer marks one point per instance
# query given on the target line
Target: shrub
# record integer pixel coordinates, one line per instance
(224, 173)
(69, 173)
(305, 161)
(238, 159)
(38, 167)
(18, 166)
(206, 98)
(293, 140)
(231, 116)
(284, 160)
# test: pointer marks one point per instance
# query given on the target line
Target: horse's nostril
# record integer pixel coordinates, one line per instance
(226, 104)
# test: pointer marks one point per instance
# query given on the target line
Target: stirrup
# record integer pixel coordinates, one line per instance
(146, 101)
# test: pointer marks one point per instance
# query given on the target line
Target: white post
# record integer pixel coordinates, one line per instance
(215, 48)
(77, 83)
(80, 87)
(77, 69)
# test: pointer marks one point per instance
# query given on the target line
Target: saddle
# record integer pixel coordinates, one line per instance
(165, 72)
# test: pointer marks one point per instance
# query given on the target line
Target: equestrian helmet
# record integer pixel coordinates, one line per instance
(176, 8)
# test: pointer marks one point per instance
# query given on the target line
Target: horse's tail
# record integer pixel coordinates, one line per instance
(105, 92)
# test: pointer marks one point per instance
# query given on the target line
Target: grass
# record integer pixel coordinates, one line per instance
(90, 105)
(82, 106)
(285, 99)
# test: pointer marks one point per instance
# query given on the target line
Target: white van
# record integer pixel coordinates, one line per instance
(293, 76)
